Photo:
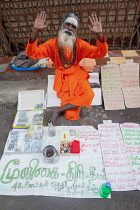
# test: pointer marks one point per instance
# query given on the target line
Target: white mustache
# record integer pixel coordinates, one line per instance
(68, 32)
(66, 38)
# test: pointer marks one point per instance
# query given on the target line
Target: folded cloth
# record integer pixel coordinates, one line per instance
(75, 147)
(23, 61)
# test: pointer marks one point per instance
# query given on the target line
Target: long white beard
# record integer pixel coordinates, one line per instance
(66, 39)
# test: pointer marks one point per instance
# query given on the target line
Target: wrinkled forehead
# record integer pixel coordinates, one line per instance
(72, 21)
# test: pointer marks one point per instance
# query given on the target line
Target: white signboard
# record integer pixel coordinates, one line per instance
(76, 176)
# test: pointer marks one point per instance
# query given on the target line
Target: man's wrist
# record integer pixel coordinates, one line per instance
(35, 29)
(100, 37)
(99, 33)
(34, 34)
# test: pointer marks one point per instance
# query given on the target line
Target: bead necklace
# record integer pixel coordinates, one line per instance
(67, 62)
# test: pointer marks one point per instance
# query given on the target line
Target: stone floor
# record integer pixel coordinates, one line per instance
(11, 82)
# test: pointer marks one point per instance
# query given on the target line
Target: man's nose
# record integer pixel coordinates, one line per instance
(70, 28)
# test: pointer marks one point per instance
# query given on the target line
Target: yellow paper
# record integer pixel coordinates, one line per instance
(130, 53)
(118, 60)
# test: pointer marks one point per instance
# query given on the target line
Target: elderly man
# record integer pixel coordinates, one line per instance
(66, 51)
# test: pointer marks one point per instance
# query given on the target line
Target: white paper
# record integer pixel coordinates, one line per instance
(113, 98)
(111, 87)
(94, 78)
(115, 158)
(30, 174)
(131, 137)
(129, 74)
(90, 147)
(121, 83)
(54, 101)
(132, 97)
(31, 99)
(110, 75)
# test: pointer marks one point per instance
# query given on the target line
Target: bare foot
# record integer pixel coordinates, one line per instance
(55, 116)
(95, 85)
(61, 109)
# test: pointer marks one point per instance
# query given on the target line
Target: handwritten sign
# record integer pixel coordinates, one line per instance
(130, 83)
(90, 147)
(89, 134)
(131, 136)
(132, 97)
(116, 162)
(111, 87)
(110, 75)
(121, 83)
(113, 98)
(129, 74)
(30, 174)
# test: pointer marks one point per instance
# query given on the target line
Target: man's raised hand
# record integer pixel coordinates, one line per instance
(95, 24)
(40, 21)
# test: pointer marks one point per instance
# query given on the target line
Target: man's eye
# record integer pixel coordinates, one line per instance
(74, 27)
(68, 24)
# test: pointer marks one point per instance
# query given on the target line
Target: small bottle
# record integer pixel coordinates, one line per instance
(51, 129)
(105, 190)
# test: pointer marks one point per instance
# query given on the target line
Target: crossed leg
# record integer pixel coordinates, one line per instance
(68, 106)
(61, 109)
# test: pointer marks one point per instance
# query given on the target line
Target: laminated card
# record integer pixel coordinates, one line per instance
(24, 140)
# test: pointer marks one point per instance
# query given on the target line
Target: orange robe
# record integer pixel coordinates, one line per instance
(71, 84)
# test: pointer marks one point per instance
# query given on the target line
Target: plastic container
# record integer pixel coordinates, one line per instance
(50, 154)
(51, 129)
(105, 190)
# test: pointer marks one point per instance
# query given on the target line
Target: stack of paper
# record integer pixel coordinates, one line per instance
(120, 85)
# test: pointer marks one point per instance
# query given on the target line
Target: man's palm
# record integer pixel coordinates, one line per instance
(40, 21)
(95, 24)
(96, 27)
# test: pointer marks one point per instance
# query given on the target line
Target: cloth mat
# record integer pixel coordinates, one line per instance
(53, 101)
